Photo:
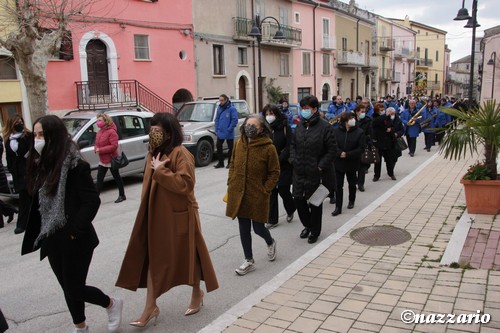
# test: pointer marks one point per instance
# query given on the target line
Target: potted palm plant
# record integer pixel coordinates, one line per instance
(472, 130)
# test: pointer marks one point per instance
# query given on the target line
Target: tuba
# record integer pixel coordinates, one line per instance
(416, 116)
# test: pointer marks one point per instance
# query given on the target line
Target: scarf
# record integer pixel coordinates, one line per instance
(14, 144)
(51, 208)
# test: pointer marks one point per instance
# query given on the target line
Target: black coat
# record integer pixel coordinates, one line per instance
(81, 206)
(282, 136)
(353, 143)
(312, 152)
(16, 161)
(384, 140)
(366, 125)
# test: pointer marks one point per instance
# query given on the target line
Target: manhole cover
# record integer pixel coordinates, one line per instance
(384, 235)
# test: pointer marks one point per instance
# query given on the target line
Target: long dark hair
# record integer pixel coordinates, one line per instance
(46, 168)
(171, 127)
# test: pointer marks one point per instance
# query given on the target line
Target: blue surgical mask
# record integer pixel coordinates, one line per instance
(305, 113)
(362, 115)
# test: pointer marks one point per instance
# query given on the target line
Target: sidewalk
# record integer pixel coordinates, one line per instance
(344, 286)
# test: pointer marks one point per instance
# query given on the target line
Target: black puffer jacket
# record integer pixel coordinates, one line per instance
(312, 151)
(353, 143)
(282, 136)
(385, 140)
(366, 125)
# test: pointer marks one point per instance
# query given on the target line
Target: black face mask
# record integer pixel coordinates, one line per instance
(19, 127)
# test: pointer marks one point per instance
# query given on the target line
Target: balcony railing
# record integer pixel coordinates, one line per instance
(422, 62)
(386, 74)
(329, 42)
(93, 95)
(404, 52)
(371, 61)
(350, 58)
(386, 44)
(243, 26)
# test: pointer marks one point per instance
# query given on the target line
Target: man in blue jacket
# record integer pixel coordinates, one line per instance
(225, 122)
(335, 109)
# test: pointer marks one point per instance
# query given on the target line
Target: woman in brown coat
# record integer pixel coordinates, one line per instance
(166, 248)
(253, 173)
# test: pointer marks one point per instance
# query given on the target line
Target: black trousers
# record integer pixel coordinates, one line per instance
(351, 180)
(71, 265)
(412, 144)
(286, 195)
(362, 173)
(220, 154)
(429, 139)
(310, 216)
(24, 207)
(390, 163)
(259, 228)
(101, 173)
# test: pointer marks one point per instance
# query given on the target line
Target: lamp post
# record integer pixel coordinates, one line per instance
(463, 14)
(257, 33)
(492, 61)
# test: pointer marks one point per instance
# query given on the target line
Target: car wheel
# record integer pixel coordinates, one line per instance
(204, 153)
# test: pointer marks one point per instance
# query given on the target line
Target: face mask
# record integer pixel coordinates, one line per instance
(156, 138)
(270, 119)
(305, 113)
(39, 144)
(19, 127)
(351, 122)
(250, 131)
(392, 117)
(362, 115)
(100, 123)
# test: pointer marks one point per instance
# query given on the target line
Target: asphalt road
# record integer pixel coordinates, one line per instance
(32, 300)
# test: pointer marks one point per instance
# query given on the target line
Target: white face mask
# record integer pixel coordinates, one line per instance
(39, 144)
(270, 119)
(392, 117)
(351, 122)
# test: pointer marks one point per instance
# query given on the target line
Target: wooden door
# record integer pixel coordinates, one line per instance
(242, 88)
(97, 67)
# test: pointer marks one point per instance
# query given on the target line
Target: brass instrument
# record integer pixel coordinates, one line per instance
(428, 121)
(416, 116)
(335, 119)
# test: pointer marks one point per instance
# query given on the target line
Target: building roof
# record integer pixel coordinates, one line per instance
(424, 26)
(465, 60)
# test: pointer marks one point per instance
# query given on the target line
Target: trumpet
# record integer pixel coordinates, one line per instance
(335, 119)
(416, 116)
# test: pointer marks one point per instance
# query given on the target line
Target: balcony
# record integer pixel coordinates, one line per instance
(328, 43)
(397, 77)
(243, 26)
(403, 52)
(350, 59)
(422, 62)
(411, 77)
(386, 74)
(370, 62)
(386, 44)
(434, 85)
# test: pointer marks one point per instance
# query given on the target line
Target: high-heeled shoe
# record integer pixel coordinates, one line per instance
(154, 314)
(192, 311)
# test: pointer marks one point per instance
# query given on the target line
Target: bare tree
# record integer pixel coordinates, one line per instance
(33, 30)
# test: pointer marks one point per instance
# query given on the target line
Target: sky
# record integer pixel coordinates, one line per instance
(440, 14)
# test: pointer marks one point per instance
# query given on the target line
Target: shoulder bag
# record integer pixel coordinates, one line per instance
(119, 161)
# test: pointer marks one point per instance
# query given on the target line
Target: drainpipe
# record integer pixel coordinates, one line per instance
(316, 5)
(254, 65)
(357, 68)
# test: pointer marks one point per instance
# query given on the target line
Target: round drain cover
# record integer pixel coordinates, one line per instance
(384, 235)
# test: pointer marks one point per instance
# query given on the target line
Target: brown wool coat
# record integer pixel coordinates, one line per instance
(253, 173)
(167, 235)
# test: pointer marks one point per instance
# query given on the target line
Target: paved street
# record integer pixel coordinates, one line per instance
(32, 301)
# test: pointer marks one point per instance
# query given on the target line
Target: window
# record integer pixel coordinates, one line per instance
(306, 63)
(131, 126)
(284, 64)
(242, 56)
(303, 92)
(418, 51)
(297, 18)
(426, 55)
(437, 55)
(418, 31)
(326, 64)
(326, 33)
(344, 44)
(404, 68)
(467, 67)
(242, 8)
(283, 16)
(218, 58)
(436, 78)
(7, 68)
(259, 8)
(141, 45)
(427, 33)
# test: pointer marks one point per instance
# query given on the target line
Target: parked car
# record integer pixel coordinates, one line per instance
(133, 133)
(198, 124)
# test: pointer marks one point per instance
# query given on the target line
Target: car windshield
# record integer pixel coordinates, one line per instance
(202, 112)
(74, 124)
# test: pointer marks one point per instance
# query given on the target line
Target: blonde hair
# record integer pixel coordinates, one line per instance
(107, 119)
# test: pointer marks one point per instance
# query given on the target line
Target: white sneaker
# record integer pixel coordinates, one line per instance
(271, 251)
(271, 225)
(86, 329)
(246, 267)
(115, 314)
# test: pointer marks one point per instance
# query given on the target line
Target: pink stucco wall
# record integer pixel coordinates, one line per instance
(163, 21)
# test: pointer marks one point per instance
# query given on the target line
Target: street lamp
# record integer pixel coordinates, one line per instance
(463, 14)
(492, 61)
(257, 33)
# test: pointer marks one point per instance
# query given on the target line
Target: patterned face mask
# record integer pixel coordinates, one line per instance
(251, 131)
(156, 138)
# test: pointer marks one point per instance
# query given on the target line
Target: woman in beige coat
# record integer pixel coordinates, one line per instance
(253, 173)
(166, 248)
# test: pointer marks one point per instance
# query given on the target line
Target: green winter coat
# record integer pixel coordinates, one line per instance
(253, 173)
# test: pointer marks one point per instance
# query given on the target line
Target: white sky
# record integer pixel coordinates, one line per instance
(440, 14)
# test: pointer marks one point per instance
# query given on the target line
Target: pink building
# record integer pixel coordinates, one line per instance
(404, 60)
(490, 46)
(135, 52)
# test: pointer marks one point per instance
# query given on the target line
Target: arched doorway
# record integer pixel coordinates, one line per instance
(325, 92)
(180, 97)
(242, 88)
(97, 67)
(367, 86)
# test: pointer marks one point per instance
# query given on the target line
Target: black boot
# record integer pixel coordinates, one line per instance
(121, 198)
(337, 211)
(219, 165)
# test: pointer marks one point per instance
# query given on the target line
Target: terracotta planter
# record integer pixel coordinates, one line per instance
(482, 196)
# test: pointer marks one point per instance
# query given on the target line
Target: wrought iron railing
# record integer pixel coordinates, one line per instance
(243, 26)
(93, 95)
